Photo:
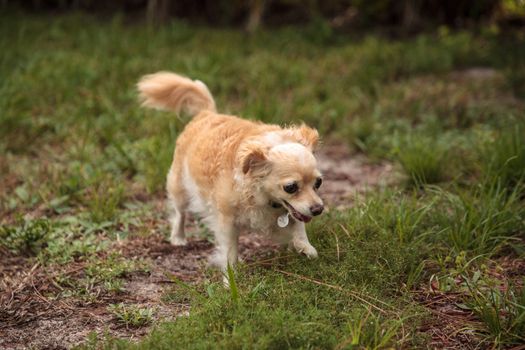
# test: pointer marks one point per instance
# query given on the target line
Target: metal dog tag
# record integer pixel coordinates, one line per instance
(283, 220)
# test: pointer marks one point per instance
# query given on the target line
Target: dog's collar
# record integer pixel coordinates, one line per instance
(275, 205)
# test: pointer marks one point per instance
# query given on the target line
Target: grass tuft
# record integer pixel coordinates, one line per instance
(481, 221)
(104, 201)
(26, 236)
(131, 315)
(502, 312)
(503, 158)
(370, 331)
(425, 159)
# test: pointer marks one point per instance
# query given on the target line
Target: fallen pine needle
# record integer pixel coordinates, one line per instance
(337, 245)
(321, 283)
(345, 231)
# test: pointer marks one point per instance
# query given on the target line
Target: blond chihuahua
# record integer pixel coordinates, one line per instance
(236, 174)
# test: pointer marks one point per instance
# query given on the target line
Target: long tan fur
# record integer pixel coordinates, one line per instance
(165, 90)
(230, 170)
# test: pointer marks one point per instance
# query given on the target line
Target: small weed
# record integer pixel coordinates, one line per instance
(177, 295)
(102, 274)
(23, 196)
(456, 271)
(502, 312)
(27, 236)
(103, 203)
(131, 315)
(114, 285)
(73, 238)
(110, 268)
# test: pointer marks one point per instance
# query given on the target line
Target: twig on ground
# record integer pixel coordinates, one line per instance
(345, 231)
(266, 261)
(337, 245)
(353, 294)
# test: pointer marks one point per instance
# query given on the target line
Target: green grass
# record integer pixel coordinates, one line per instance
(484, 219)
(502, 313)
(26, 236)
(503, 157)
(304, 304)
(424, 159)
(132, 316)
(81, 165)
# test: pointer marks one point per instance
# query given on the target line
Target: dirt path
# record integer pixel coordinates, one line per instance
(347, 175)
(31, 317)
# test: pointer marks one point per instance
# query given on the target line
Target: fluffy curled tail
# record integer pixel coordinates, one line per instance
(165, 90)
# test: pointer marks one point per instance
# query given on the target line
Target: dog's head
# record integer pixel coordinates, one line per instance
(285, 171)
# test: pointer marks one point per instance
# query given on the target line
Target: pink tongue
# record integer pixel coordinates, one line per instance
(307, 218)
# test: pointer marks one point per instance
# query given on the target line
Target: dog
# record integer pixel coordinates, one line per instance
(234, 173)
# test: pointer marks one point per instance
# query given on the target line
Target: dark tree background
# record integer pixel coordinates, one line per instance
(251, 14)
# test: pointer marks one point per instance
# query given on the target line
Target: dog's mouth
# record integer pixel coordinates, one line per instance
(296, 214)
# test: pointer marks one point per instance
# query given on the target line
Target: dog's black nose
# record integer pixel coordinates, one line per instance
(316, 209)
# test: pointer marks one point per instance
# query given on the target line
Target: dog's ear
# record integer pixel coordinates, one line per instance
(306, 136)
(252, 157)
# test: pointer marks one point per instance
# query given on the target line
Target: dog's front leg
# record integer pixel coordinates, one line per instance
(226, 241)
(300, 241)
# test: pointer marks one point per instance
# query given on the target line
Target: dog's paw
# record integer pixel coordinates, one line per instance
(310, 252)
(306, 249)
(178, 242)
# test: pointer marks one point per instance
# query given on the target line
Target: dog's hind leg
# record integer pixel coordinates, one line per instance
(177, 218)
(177, 204)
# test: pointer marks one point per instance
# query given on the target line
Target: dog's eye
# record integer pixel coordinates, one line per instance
(318, 183)
(291, 188)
